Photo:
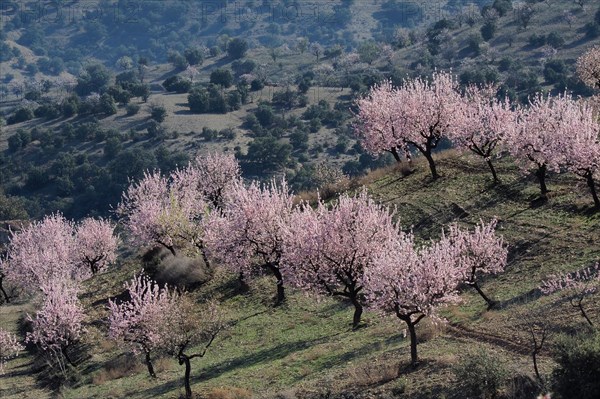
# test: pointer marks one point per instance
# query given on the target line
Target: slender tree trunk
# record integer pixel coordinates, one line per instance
(394, 152)
(244, 287)
(489, 301)
(541, 175)
(358, 310)
(432, 167)
(66, 355)
(592, 185)
(579, 306)
(535, 365)
(148, 362)
(491, 165)
(183, 359)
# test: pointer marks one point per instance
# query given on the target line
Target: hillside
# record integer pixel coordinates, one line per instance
(306, 348)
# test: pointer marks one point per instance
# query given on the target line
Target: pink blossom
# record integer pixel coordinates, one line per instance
(9, 348)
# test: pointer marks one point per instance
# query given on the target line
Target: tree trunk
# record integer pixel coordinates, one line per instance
(414, 359)
(541, 175)
(358, 310)
(280, 289)
(592, 185)
(148, 362)
(394, 152)
(183, 359)
(66, 355)
(496, 180)
(579, 306)
(432, 167)
(489, 302)
(535, 365)
(6, 297)
(244, 287)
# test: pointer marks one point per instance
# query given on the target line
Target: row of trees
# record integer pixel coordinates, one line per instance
(339, 249)
(551, 134)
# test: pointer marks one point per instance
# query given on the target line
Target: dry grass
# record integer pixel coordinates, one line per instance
(229, 393)
(123, 366)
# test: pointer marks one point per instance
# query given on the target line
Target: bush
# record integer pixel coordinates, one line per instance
(237, 48)
(177, 84)
(481, 375)
(132, 109)
(222, 77)
(20, 115)
(158, 113)
(578, 373)
(488, 30)
(592, 30)
(555, 40)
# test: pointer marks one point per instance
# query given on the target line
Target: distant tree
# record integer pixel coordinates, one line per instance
(316, 49)
(222, 77)
(576, 287)
(368, 52)
(417, 114)
(94, 78)
(107, 105)
(540, 134)
(198, 100)
(178, 84)
(177, 60)
(158, 112)
(485, 124)
(588, 67)
(194, 56)
(236, 48)
(582, 145)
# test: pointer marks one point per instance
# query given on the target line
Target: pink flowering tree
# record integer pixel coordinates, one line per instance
(588, 67)
(417, 115)
(576, 286)
(478, 252)
(412, 283)
(248, 236)
(138, 322)
(9, 348)
(486, 122)
(58, 323)
(540, 135)
(96, 244)
(42, 252)
(163, 210)
(582, 146)
(217, 172)
(328, 250)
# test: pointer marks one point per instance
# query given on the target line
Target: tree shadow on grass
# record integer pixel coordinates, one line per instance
(252, 359)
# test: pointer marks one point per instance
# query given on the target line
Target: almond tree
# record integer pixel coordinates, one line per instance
(248, 236)
(185, 328)
(217, 172)
(486, 122)
(58, 324)
(588, 67)
(138, 322)
(576, 286)
(328, 250)
(9, 348)
(163, 210)
(583, 145)
(539, 138)
(411, 283)
(42, 252)
(96, 244)
(478, 252)
(418, 114)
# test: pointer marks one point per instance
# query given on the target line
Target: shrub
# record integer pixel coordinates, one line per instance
(592, 30)
(237, 48)
(221, 77)
(132, 109)
(578, 371)
(481, 375)
(488, 30)
(158, 112)
(20, 115)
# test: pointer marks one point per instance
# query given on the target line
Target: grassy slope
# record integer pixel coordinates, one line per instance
(307, 346)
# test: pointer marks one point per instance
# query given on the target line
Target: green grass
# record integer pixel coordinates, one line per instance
(307, 345)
